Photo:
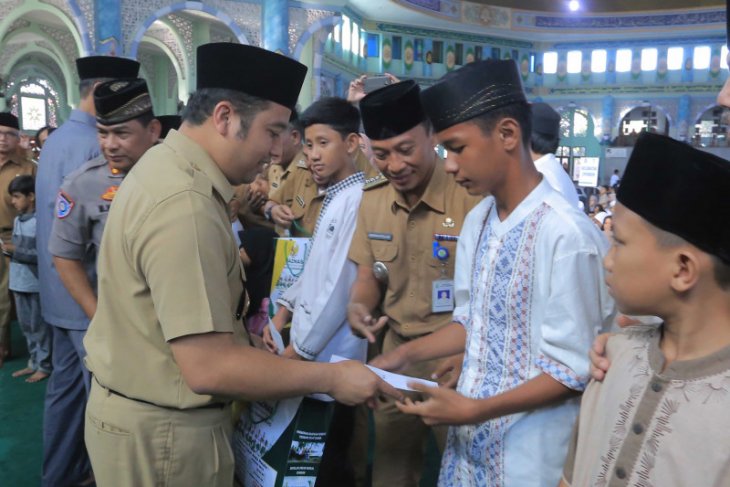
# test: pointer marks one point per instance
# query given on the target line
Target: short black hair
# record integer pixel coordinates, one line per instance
(202, 102)
(518, 111)
(542, 144)
(86, 86)
(38, 133)
(23, 184)
(335, 112)
(146, 118)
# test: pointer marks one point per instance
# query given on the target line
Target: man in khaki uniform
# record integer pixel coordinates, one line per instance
(167, 347)
(405, 246)
(10, 167)
(251, 198)
(296, 204)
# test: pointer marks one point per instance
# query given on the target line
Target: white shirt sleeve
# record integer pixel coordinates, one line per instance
(573, 312)
(324, 287)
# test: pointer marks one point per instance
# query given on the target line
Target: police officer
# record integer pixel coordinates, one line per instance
(404, 245)
(167, 347)
(126, 128)
(65, 461)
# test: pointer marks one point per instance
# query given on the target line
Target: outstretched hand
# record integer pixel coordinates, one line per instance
(441, 406)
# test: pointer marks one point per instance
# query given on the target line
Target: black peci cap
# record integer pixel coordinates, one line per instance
(92, 67)
(681, 190)
(251, 70)
(392, 110)
(120, 100)
(472, 90)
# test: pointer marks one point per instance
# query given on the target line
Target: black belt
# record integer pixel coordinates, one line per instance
(215, 405)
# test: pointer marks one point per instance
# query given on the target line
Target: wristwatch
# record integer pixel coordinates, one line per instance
(267, 212)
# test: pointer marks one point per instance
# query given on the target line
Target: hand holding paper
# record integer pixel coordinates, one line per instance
(396, 380)
(276, 336)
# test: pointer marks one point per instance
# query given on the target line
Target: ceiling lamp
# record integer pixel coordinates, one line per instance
(573, 5)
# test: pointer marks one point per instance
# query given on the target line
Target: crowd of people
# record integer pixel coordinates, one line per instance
(141, 259)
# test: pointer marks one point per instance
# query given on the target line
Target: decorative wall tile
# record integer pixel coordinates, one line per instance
(18, 24)
(8, 6)
(164, 35)
(67, 43)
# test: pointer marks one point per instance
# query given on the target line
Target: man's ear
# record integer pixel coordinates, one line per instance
(352, 141)
(222, 117)
(510, 133)
(155, 129)
(687, 267)
(296, 136)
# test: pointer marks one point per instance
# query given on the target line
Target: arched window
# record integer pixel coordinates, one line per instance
(34, 101)
(711, 129)
(578, 144)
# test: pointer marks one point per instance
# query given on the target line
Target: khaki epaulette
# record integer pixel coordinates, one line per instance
(374, 182)
(302, 163)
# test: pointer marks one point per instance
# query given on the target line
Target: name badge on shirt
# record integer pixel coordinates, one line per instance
(380, 236)
(442, 296)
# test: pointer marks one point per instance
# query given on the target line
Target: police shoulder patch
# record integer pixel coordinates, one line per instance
(64, 205)
(374, 182)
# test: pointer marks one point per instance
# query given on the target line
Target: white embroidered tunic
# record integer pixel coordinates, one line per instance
(530, 292)
(318, 299)
(645, 426)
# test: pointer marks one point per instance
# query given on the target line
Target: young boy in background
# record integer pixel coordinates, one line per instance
(24, 280)
(660, 415)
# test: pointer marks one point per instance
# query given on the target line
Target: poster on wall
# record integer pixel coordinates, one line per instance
(585, 171)
(450, 58)
(408, 56)
(387, 53)
(418, 49)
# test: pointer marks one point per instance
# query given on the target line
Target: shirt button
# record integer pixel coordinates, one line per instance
(656, 387)
(413, 258)
(638, 429)
(620, 473)
(411, 294)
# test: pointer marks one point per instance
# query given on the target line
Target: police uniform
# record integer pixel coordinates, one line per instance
(65, 461)
(412, 253)
(82, 207)
(169, 268)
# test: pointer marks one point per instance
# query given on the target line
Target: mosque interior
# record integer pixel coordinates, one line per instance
(612, 68)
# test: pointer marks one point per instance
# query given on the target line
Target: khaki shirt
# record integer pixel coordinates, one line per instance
(246, 214)
(400, 237)
(9, 171)
(168, 268)
(298, 191)
(273, 175)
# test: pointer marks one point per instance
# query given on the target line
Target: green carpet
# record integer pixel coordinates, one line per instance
(21, 426)
(21, 421)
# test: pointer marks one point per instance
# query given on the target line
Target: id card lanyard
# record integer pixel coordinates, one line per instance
(442, 289)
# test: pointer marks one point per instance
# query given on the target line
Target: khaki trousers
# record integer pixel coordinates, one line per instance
(133, 444)
(401, 439)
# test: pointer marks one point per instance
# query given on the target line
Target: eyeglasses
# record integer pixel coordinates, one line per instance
(9, 135)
